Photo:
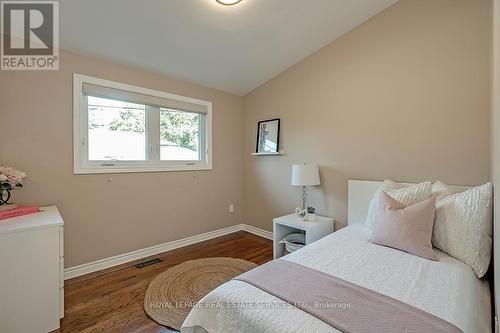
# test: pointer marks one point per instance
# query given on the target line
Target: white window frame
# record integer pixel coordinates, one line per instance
(82, 165)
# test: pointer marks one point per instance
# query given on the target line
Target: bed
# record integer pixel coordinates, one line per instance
(446, 288)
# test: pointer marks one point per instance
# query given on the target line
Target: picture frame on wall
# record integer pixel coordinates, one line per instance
(268, 136)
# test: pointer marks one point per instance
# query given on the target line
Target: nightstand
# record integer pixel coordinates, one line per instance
(285, 225)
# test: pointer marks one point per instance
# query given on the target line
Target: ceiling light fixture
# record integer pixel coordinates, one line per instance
(228, 2)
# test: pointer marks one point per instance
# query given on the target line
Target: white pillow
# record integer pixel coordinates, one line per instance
(406, 194)
(463, 226)
(441, 189)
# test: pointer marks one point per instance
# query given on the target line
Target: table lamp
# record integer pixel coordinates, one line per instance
(305, 175)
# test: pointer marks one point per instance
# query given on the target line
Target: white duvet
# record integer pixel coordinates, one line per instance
(447, 288)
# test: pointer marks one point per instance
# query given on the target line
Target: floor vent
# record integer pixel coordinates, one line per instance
(147, 263)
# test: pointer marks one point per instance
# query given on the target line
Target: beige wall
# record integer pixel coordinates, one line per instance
(495, 146)
(405, 95)
(134, 210)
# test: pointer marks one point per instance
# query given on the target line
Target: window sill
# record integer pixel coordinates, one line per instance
(176, 168)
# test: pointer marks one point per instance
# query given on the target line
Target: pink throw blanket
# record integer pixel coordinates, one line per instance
(341, 304)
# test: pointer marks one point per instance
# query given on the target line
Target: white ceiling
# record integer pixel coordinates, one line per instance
(234, 49)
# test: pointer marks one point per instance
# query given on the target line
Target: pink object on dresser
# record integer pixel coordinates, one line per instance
(19, 211)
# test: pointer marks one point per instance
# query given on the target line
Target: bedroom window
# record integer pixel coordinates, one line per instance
(123, 128)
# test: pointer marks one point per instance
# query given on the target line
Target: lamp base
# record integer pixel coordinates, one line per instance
(304, 197)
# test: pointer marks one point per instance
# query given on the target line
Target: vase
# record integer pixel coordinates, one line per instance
(4, 196)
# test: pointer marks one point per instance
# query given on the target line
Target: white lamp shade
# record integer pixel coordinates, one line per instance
(305, 175)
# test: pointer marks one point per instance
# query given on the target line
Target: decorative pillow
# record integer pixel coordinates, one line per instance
(405, 228)
(441, 189)
(405, 194)
(463, 226)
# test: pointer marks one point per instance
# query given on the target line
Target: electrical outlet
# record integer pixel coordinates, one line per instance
(231, 208)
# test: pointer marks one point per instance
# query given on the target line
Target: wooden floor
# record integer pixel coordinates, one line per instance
(112, 300)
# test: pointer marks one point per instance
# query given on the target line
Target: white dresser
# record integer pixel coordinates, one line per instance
(32, 272)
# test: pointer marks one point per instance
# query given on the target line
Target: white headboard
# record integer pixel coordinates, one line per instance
(360, 193)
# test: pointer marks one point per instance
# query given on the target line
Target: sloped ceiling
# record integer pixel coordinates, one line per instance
(231, 48)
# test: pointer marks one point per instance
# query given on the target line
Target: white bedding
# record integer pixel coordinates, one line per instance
(447, 289)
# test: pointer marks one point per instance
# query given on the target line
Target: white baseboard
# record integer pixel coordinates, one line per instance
(257, 231)
(120, 259)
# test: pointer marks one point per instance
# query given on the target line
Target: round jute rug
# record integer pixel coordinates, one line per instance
(172, 294)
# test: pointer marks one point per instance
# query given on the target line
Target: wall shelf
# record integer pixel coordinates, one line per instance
(269, 154)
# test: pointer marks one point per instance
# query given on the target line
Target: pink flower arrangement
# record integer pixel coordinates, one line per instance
(10, 177)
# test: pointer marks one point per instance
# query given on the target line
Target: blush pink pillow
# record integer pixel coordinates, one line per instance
(405, 228)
